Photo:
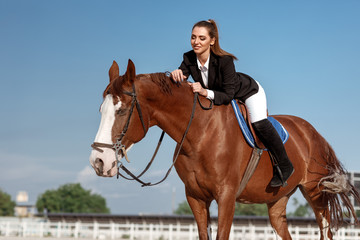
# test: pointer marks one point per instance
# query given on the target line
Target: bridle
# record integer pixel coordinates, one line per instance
(118, 147)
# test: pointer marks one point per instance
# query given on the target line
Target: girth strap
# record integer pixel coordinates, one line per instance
(250, 169)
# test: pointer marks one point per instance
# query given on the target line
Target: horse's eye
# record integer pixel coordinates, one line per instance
(121, 112)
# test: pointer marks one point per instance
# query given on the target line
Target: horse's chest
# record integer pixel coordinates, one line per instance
(199, 184)
(199, 180)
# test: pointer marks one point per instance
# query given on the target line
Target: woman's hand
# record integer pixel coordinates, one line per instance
(178, 76)
(196, 87)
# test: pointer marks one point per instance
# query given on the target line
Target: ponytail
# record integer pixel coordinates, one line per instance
(212, 28)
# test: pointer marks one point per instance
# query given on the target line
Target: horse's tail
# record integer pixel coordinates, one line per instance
(338, 190)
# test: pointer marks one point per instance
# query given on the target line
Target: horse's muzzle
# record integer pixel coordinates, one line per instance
(103, 163)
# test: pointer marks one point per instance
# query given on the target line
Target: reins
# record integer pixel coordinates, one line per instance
(119, 147)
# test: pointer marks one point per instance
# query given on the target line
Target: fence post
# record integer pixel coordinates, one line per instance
(112, 230)
(232, 232)
(151, 232)
(23, 229)
(252, 231)
(95, 230)
(170, 232)
(243, 232)
(58, 234)
(41, 232)
(343, 233)
(266, 233)
(77, 229)
(157, 233)
(297, 234)
(191, 230)
(132, 231)
(7, 230)
(178, 230)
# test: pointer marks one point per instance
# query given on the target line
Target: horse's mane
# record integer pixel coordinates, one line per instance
(164, 82)
(160, 79)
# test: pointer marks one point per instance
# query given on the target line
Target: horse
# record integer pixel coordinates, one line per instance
(212, 158)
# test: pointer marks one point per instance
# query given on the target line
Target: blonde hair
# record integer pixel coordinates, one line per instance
(212, 28)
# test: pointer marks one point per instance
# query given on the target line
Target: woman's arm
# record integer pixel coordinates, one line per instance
(182, 73)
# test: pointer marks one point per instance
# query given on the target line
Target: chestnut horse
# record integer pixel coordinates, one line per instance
(214, 154)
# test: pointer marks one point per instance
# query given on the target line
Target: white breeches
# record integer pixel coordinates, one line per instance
(257, 106)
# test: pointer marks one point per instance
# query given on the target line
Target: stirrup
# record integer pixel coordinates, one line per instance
(281, 177)
(278, 174)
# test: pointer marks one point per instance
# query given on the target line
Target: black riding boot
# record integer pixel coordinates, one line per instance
(272, 141)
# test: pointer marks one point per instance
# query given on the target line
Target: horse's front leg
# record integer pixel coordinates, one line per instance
(226, 209)
(201, 213)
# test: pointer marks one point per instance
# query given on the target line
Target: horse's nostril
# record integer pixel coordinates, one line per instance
(99, 163)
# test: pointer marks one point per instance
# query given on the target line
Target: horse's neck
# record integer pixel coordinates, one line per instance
(172, 112)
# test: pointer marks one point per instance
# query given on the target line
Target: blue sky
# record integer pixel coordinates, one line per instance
(54, 61)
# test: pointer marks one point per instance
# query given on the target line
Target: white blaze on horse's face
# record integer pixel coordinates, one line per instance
(104, 162)
(107, 110)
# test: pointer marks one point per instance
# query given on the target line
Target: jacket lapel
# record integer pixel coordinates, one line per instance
(195, 71)
(196, 74)
(213, 65)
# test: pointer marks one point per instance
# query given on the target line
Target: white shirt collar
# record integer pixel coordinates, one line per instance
(206, 65)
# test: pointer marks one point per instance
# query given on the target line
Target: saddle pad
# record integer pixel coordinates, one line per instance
(283, 133)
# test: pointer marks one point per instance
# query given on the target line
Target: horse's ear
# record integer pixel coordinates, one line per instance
(114, 71)
(130, 72)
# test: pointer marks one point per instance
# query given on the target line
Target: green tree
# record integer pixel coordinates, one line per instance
(302, 210)
(251, 209)
(6, 204)
(183, 209)
(71, 198)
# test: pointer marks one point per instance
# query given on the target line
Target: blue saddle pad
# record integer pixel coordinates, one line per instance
(283, 133)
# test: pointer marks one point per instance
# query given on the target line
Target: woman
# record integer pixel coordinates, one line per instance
(215, 77)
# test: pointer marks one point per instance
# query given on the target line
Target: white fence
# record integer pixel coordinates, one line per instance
(42, 229)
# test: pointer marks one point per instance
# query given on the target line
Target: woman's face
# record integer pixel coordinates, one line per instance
(201, 40)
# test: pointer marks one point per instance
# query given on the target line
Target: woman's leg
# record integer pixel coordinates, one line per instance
(257, 105)
(266, 132)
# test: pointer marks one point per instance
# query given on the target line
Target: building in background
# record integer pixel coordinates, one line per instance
(23, 208)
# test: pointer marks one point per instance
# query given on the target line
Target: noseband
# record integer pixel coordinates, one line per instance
(118, 147)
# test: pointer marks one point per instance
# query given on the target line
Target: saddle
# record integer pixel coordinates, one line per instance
(243, 118)
(242, 115)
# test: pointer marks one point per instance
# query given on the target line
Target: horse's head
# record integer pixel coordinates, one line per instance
(122, 121)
